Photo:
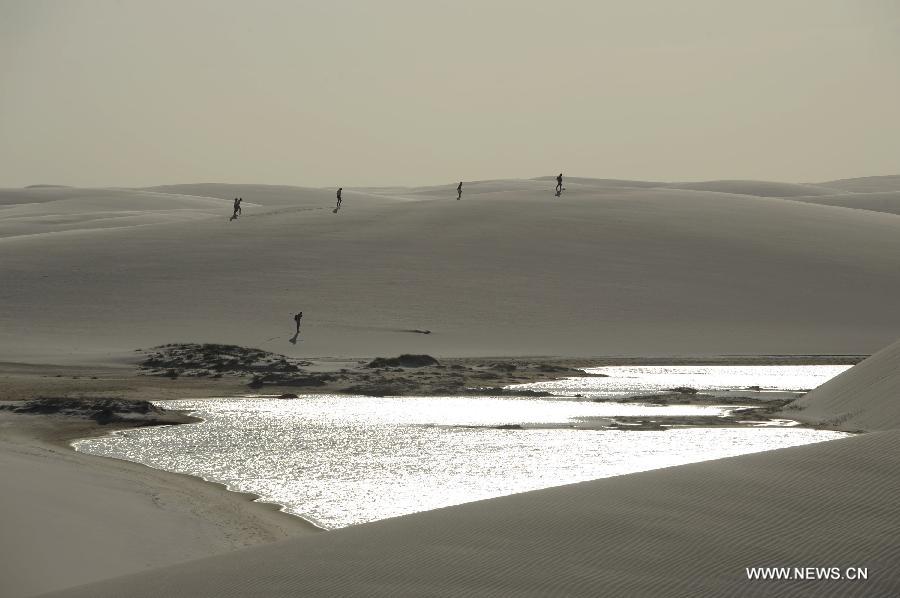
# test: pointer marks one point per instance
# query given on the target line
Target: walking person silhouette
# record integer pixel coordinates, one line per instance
(559, 187)
(459, 191)
(297, 317)
(237, 207)
(339, 200)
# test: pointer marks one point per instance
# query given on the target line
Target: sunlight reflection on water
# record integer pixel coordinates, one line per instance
(340, 460)
(626, 381)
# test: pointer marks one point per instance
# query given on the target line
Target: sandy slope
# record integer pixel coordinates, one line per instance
(885, 201)
(69, 518)
(756, 188)
(869, 184)
(865, 397)
(509, 270)
(51, 210)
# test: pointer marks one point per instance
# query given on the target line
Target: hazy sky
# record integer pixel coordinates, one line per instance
(389, 92)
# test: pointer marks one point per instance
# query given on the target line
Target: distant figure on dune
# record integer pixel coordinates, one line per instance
(237, 207)
(339, 200)
(297, 318)
(559, 187)
(459, 191)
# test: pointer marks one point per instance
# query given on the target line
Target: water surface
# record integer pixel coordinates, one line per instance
(339, 460)
(626, 381)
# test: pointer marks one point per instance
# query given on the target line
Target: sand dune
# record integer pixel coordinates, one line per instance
(603, 183)
(48, 210)
(865, 397)
(871, 184)
(510, 270)
(757, 188)
(885, 201)
(70, 519)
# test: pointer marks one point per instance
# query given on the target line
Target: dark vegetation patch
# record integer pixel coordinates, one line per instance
(685, 390)
(497, 391)
(293, 380)
(403, 375)
(102, 410)
(214, 360)
(406, 360)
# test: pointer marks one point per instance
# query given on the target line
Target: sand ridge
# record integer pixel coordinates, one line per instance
(70, 518)
(865, 397)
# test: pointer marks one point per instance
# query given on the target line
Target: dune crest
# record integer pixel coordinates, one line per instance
(508, 270)
(865, 397)
(869, 184)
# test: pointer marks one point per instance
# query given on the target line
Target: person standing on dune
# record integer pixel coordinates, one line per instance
(297, 318)
(459, 191)
(559, 187)
(237, 207)
(339, 200)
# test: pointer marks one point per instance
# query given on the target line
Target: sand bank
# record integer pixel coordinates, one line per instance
(865, 397)
(69, 518)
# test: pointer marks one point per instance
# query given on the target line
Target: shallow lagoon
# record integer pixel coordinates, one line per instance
(339, 460)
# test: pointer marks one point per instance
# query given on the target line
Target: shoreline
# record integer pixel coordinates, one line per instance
(78, 518)
(68, 441)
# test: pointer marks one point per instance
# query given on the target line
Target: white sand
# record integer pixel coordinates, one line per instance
(757, 188)
(884, 201)
(612, 267)
(865, 184)
(865, 397)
